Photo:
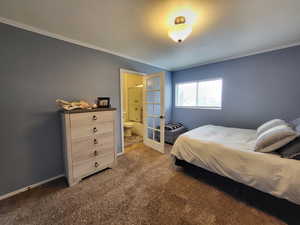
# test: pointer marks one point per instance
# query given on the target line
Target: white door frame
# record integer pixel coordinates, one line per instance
(122, 72)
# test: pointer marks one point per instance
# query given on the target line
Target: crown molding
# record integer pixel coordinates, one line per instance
(235, 57)
(70, 40)
(87, 45)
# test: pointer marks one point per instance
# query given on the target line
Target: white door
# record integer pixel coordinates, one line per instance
(154, 111)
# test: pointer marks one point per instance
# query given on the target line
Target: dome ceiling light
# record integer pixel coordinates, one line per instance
(180, 30)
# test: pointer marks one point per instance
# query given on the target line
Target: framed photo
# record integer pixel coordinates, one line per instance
(103, 102)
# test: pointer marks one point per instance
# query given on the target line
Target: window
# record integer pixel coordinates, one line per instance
(199, 94)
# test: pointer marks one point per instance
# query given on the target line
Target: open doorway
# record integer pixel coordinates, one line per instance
(131, 83)
(142, 110)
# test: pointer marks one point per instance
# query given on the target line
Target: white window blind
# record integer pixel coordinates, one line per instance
(200, 94)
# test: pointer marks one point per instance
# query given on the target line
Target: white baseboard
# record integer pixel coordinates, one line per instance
(120, 153)
(29, 187)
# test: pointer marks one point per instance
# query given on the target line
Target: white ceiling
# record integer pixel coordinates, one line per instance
(137, 29)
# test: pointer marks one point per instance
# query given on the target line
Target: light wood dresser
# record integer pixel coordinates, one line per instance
(89, 142)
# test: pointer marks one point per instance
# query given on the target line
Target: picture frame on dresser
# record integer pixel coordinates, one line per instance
(103, 102)
(88, 142)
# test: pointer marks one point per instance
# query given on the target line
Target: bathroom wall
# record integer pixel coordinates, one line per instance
(129, 81)
(135, 104)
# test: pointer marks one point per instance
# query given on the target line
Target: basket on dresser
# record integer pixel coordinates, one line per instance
(89, 142)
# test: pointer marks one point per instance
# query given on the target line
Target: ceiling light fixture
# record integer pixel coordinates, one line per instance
(180, 30)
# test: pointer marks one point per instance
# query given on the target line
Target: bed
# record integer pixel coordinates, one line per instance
(230, 152)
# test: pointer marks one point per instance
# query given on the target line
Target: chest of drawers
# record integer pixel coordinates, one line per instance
(89, 142)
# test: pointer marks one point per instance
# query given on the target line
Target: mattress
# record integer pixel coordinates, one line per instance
(230, 152)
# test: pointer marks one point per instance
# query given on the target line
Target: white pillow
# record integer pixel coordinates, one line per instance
(296, 124)
(275, 138)
(268, 125)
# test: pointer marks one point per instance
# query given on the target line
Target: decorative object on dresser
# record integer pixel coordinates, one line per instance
(89, 142)
(66, 105)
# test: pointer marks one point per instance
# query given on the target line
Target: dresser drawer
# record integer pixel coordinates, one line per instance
(91, 147)
(84, 119)
(89, 130)
(89, 154)
(106, 159)
(92, 165)
(83, 169)
(105, 140)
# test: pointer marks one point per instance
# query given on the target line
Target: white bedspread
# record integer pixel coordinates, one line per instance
(230, 152)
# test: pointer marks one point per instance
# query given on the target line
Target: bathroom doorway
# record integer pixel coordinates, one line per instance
(132, 111)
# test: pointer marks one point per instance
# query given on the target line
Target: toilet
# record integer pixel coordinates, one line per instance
(128, 129)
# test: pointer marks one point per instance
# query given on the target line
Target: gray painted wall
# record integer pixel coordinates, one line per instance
(34, 72)
(255, 89)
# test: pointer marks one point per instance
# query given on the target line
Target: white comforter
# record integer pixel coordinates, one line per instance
(230, 152)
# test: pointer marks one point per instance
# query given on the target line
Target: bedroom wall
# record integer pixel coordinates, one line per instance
(255, 89)
(36, 70)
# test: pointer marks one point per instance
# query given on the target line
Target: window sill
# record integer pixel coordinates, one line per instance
(198, 107)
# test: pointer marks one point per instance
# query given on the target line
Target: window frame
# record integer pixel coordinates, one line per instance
(198, 107)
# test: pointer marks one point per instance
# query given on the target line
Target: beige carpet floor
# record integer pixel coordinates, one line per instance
(146, 188)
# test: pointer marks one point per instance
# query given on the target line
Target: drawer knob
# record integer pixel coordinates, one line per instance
(95, 141)
(95, 129)
(96, 164)
(95, 153)
(95, 117)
